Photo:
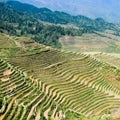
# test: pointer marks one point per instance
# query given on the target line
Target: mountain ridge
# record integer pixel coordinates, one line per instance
(93, 9)
(25, 20)
(61, 17)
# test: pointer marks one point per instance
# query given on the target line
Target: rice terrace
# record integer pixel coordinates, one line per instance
(48, 83)
(52, 71)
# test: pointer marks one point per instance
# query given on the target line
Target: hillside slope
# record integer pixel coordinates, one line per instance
(24, 20)
(23, 24)
(92, 42)
(113, 59)
(44, 83)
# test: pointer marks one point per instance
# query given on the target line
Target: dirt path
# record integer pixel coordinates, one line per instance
(37, 115)
(46, 113)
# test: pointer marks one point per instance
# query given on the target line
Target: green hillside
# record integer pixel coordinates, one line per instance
(24, 21)
(57, 17)
(21, 24)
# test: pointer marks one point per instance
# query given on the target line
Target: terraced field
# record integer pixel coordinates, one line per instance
(92, 42)
(113, 59)
(48, 84)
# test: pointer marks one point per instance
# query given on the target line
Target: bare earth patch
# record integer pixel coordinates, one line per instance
(5, 79)
(46, 113)
(59, 115)
(7, 72)
(116, 116)
(37, 116)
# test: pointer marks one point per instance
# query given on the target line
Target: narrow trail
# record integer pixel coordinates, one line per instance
(37, 115)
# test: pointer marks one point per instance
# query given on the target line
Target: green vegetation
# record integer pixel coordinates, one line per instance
(1, 103)
(73, 116)
(21, 24)
(44, 83)
(57, 17)
(24, 20)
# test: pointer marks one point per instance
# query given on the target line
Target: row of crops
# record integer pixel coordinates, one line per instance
(48, 84)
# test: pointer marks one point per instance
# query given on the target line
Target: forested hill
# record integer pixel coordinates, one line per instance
(57, 17)
(25, 20)
(17, 23)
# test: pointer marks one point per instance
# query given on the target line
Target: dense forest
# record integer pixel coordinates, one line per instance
(26, 20)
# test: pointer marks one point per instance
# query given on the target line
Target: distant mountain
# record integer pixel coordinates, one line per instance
(57, 17)
(107, 9)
